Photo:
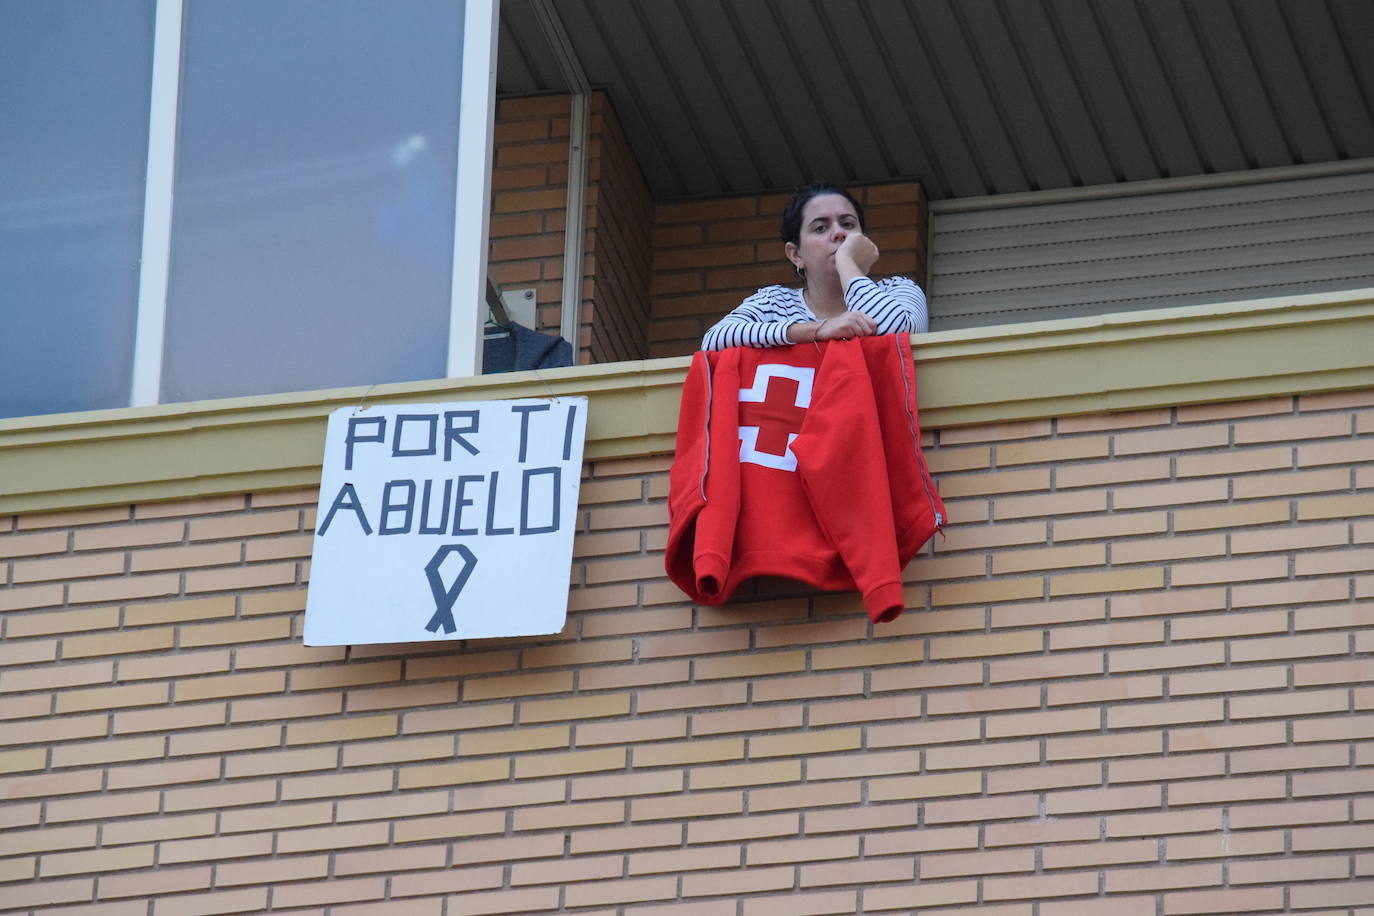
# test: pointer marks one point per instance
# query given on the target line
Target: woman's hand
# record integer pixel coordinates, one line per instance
(859, 250)
(845, 326)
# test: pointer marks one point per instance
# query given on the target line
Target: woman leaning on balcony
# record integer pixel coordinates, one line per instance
(822, 228)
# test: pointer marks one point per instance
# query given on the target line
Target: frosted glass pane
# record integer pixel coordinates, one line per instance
(75, 79)
(312, 229)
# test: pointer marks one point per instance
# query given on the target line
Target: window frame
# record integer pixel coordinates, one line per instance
(468, 275)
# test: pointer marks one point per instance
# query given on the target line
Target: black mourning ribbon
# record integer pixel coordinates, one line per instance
(444, 597)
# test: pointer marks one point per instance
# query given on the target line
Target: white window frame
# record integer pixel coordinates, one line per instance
(472, 210)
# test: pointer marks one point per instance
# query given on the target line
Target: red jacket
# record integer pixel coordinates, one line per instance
(805, 462)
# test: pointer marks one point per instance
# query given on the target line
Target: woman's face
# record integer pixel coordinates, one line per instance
(827, 219)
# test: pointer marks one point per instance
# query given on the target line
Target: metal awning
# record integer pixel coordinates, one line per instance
(971, 97)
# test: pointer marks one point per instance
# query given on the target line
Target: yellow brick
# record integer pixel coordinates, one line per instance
(48, 676)
(34, 704)
(80, 566)
(184, 557)
(338, 730)
(1062, 449)
(19, 842)
(276, 817)
(73, 518)
(44, 624)
(108, 751)
(584, 653)
(177, 664)
(236, 577)
(443, 695)
(246, 525)
(805, 743)
(1118, 470)
(103, 808)
(985, 592)
(953, 486)
(230, 685)
(745, 774)
(280, 548)
(394, 751)
(396, 806)
(449, 825)
(355, 783)
(129, 535)
(237, 633)
(306, 706)
(1012, 561)
(99, 860)
(455, 665)
(285, 656)
(225, 740)
(984, 644)
(1100, 527)
(1152, 550)
(121, 589)
(46, 786)
(752, 665)
(590, 707)
(1235, 570)
(296, 868)
(24, 761)
(32, 545)
(18, 869)
(27, 652)
(1349, 505)
(1236, 516)
(517, 686)
(345, 675)
(1043, 723)
(884, 653)
(275, 763)
(530, 767)
(515, 740)
(1235, 461)
(111, 697)
(1114, 581)
(446, 774)
(680, 753)
(273, 602)
(169, 718)
(128, 642)
(137, 615)
(35, 596)
(157, 828)
(1043, 504)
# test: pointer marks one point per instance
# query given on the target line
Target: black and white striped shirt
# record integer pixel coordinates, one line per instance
(895, 304)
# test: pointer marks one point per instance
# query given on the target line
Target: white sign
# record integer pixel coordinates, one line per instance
(445, 521)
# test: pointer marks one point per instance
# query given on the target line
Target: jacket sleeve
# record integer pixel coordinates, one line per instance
(687, 477)
(703, 485)
(840, 450)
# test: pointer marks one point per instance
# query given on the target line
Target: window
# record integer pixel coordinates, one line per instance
(312, 211)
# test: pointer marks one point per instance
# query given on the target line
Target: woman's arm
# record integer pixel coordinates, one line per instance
(896, 305)
(768, 318)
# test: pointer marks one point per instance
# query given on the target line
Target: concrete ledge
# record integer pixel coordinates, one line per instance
(1132, 361)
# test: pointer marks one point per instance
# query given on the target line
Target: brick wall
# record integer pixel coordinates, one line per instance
(529, 194)
(1134, 679)
(709, 255)
(620, 217)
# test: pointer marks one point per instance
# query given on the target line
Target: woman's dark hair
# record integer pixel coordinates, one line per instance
(792, 213)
